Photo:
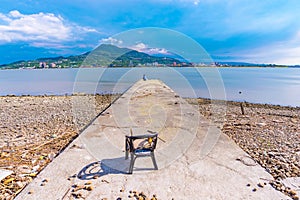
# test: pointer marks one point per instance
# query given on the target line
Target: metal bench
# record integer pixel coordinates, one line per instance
(140, 146)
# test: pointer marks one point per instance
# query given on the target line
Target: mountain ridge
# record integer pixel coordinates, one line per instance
(105, 55)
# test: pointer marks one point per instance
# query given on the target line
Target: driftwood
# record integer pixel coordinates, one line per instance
(242, 108)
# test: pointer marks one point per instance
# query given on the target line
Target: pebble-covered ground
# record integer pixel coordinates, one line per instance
(33, 130)
(269, 134)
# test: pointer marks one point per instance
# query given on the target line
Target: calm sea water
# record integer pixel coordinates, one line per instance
(259, 85)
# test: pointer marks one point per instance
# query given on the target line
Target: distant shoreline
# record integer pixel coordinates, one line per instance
(113, 56)
(197, 66)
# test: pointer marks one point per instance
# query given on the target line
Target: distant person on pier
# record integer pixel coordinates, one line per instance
(144, 77)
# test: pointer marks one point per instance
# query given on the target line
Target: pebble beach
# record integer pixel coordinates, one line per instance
(35, 129)
(270, 134)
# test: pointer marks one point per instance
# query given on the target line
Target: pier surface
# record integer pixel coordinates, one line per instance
(195, 159)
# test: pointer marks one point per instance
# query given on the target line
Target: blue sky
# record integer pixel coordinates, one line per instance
(253, 31)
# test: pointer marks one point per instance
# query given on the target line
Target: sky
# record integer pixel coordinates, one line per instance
(253, 31)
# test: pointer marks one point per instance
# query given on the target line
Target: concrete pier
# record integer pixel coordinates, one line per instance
(195, 159)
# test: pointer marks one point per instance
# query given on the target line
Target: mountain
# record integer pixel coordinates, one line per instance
(112, 56)
(105, 55)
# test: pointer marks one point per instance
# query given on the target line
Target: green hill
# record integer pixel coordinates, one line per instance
(103, 56)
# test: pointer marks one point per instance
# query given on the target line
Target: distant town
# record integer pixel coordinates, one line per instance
(112, 56)
(66, 63)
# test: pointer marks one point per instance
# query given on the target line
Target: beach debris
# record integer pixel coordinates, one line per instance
(72, 177)
(88, 183)
(246, 160)
(89, 188)
(35, 168)
(242, 108)
(82, 187)
(31, 191)
(78, 191)
(66, 193)
(32, 174)
(44, 181)
(141, 195)
(105, 181)
(96, 176)
(261, 124)
(4, 173)
(76, 146)
(7, 181)
(292, 186)
(260, 184)
(77, 195)
(51, 156)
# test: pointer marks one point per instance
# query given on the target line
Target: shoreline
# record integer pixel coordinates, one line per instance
(245, 103)
(232, 102)
(84, 67)
(35, 129)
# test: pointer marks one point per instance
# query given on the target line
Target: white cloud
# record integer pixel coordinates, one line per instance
(285, 52)
(50, 45)
(4, 18)
(140, 47)
(46, 27)
(149, 50)
(111, 40)
(62, 49)
(15, 14)
(158, 51)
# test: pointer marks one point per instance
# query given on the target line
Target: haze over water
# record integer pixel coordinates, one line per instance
(258, 85)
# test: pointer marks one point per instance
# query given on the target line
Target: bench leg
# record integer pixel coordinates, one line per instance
(154, 161)
(132, 160)
(126, 150)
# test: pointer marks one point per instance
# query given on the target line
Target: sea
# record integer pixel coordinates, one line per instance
(278, 86)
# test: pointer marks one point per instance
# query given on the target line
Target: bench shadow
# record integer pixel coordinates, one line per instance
(104, 167)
